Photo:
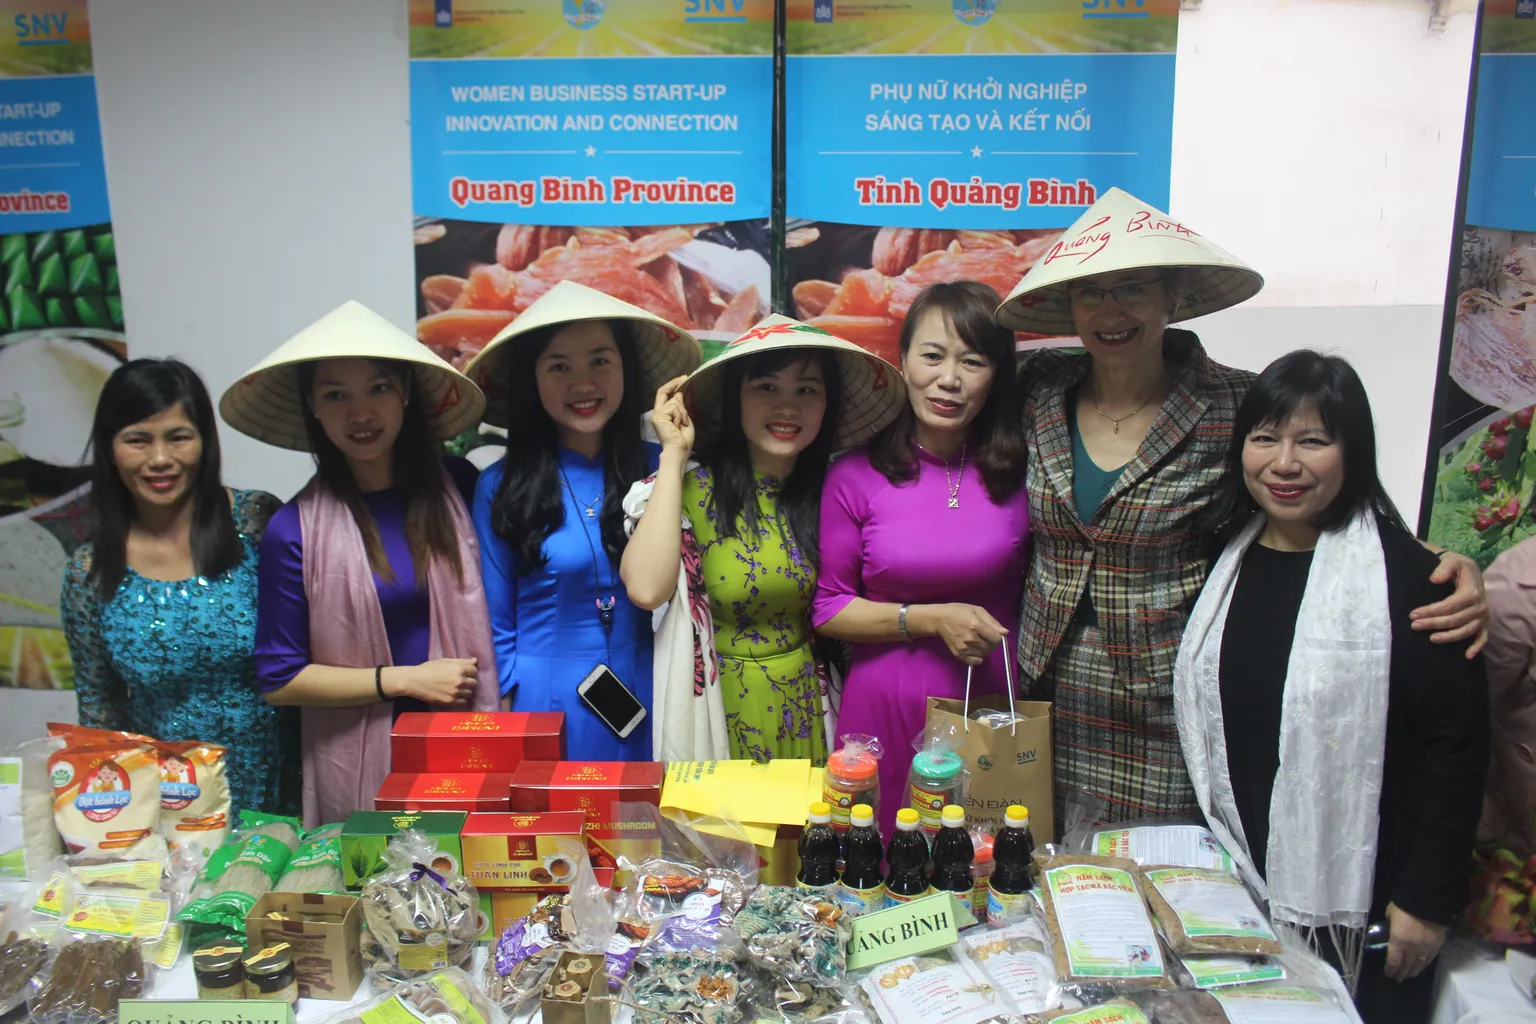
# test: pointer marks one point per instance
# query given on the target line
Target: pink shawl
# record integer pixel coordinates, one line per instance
(346, 750)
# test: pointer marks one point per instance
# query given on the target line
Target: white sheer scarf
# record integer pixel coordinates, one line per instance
(1333, 724)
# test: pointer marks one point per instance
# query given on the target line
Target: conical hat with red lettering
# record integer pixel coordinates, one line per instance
(1120, 232)
(873, 391)
(665, 350)
(265, 403)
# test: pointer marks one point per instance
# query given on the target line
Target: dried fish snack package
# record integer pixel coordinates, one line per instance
(1103, 940)
(1153, 842)
(448, 996)
(316, 865)
(87, 979)
(419, 921)
(798, 935)
(23, 960)
(942, 987)
(694, 987)
(1017, 961)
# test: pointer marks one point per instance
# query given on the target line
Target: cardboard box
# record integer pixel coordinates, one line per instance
(475, 741)
(595, 787)
(583, 998)
(522, 851)
(326, 953)
(434, 791)
(367, 833)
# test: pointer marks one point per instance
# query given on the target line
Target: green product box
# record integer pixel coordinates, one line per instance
(367, 833)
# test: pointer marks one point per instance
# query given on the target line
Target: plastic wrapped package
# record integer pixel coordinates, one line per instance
(517, 966)
(942, 987)
(419, 921)
(22, 960)
(695, 987)
(772, 1000)
(195, 805)
(1205, 911)
(1213, 972)
(29, 839)
(316, 865)
(798, 935)
(1102, 937)
(1250, 1003)
(1154, 842)
(1017, 962)
(88, 977)
(106, 797)
(242, 870)
(1115, 1011)
(448, 996)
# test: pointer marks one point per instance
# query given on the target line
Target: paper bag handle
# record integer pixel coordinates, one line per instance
(1013, 720)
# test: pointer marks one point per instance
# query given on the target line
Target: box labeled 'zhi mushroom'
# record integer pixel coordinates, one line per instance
(522, 851)
(475, 741)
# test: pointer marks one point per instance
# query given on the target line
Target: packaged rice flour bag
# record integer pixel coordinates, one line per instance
(106, 798)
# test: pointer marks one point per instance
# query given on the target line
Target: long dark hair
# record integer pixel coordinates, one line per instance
(997, 432)
(136, 391)
(1331, 385)
(418, 477)
(734, 499)
(529, 507)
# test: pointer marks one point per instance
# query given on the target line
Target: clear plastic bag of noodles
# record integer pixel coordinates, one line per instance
(523, 956)
(244, 868)
(447, 996)
(419, 921)
(684, 898)
(1153, 842)
(316, 865)
(942, 987)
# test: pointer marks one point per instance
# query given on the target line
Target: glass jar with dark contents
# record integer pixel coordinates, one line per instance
(269, 974)
(219, 973)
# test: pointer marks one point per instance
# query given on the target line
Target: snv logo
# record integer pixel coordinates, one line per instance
(714, 10)
(41, 29)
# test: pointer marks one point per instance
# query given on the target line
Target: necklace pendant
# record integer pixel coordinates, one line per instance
(591, 513)
(1117, 425)
(954, 501)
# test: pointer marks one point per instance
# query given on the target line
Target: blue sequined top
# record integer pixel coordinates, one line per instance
(174, 661)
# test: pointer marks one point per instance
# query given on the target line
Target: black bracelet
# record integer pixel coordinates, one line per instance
(378, 682)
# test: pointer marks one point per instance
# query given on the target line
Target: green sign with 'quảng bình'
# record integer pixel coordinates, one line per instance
(204, 1011)
(910, 929)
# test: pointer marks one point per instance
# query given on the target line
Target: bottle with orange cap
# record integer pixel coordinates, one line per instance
(818, 849)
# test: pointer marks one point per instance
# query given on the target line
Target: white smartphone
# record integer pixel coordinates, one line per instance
(611, 701)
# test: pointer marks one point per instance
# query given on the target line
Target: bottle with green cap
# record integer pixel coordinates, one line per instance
(1011, 881)
(818, 849)
(952, 856)
(934, 784)
(862, 890)
(906, 860)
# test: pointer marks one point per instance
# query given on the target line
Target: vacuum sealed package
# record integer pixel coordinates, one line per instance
(1205, 911)
(798, 935)
(1017, 962)
(316, 865)
(29, 838)
(419, 921)
(942, 987)
(22, 959)
(699, 986)
(242, 870)
(1208, 972)
(1116, 1011)
(194, 796)
(1098, 921)
(773, 1000)
(106, 797)
(1154, 843)
(1251, 1004)
(447, 996)
(88, 978)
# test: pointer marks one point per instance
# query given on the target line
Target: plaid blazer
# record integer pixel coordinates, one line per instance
(1141, 551)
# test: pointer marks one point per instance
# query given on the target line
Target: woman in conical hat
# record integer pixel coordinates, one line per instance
(732, 540)
(1126, 446)
(370, 598)
(924, 533)
(570, 379)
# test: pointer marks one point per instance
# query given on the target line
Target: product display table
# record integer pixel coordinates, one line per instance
(1475, 987)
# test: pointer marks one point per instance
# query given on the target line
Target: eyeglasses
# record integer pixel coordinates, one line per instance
(1127, 294)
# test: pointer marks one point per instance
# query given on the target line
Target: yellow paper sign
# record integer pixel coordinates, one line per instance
(766, 794)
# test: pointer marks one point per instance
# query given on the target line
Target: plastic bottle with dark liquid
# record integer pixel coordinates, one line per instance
(1011, 880)
(906, 860)
(952, 856)
(862, 890)
(818, 849)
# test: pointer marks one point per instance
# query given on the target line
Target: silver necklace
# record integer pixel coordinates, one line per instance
(953, 483)
(604, 604)
(590, 506)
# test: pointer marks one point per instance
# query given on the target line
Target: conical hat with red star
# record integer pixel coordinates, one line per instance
(873, 391)
(265, 403)
(665, 350)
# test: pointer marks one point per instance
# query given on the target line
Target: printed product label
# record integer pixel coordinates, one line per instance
(1221, 971)
(1014, 958)
(841, 802)
(954, 993)
(178, 783)
(1210, 903)
(395, 1011)
(929, 805)
(1007, 906)
(861, 901)
(1105, 1015)
(1187, 846)
(50, 901)
(981, 899)
(893, 899)
(120, 916)
(104, 793)
(164, 952)
(134, 874)
(268, 853)
(1104, 923)
(428, 955)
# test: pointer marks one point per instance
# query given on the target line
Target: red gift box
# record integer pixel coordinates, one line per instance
(594, 787)
(475, 741)
(434, 791)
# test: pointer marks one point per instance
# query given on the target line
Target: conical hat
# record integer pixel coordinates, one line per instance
(1120, 232)
(665, 350)
(266, 404)
(873, 390)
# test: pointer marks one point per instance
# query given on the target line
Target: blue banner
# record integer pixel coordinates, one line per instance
(585, 142)
(1501, 188)
(52, 173)
(983, 142)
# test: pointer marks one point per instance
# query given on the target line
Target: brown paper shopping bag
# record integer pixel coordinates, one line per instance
(1010, 764)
